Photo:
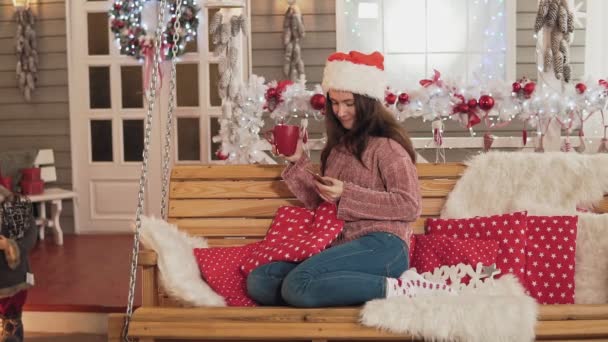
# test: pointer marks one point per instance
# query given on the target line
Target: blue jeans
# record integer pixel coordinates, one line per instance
(347, 274)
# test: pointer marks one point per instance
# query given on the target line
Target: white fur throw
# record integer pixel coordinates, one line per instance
(179, 272)
(498, 313)
(591, 272)
(541, 183)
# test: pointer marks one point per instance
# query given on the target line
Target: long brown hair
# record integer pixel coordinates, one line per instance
(372, 120)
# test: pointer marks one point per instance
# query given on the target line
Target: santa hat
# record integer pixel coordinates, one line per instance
(355, 72)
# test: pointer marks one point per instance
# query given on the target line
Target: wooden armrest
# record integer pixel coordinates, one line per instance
(147, 257)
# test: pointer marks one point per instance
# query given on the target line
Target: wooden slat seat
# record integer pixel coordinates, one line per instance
(234, 205)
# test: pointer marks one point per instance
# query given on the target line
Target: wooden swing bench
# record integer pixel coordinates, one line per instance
(234, 205)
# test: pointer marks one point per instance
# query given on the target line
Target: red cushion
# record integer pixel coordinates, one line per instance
(296, 234)
(508, 229)
(550, 254)
(219, 267)
(436, 250)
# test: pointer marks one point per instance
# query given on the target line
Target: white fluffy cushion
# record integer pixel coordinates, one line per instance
(591, 272)
(495, 313)
(179, 273)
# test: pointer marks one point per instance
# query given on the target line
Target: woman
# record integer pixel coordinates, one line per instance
(369, 168)
(17, 238)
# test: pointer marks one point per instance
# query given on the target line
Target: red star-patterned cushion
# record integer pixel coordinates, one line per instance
(508, 229)
(550, 258)
(220, 266)
(296, 234)
(436, 250)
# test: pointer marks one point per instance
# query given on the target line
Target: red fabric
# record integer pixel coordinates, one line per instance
(13, 306)
(436, 250)
(374, 59)
(412, 248)
(508, 229)
(296, 234)
(220, 266)
(550, 258)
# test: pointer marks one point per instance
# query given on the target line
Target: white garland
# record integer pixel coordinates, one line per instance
(293, 32)
(239, 133)
(26, 51)
(481, 276)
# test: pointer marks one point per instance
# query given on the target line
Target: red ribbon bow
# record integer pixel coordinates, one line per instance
(426, 82)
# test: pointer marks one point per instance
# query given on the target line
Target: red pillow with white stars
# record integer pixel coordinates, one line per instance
(508, 229)
(296, 234)
(550, 258)
(433, 251)
(219, 267)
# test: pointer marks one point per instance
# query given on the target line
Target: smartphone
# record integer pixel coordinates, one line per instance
(318, 177)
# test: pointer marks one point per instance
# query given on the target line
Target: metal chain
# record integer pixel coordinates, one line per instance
(150, 100)
(169, 126)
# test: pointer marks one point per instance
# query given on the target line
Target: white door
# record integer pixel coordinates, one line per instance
(107, 112)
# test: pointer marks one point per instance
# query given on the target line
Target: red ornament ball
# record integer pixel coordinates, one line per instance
(486, 102)
(404, 98)
(529, 88)
(390, 98)
(317, 101)
(117, 7)
(220, 155)
(580, 88)
(516, 87)
(472, 103)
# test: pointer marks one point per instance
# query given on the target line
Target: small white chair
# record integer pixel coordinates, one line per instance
(46, 160)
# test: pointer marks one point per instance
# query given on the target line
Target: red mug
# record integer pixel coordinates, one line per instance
(284, 138)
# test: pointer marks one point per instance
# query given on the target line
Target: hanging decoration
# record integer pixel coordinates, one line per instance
(26, 51)
(224, 31)
(240, 132)
(556, 20)
(136, 38)
(293, 33)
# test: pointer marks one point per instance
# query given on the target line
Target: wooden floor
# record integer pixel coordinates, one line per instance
(89, 273)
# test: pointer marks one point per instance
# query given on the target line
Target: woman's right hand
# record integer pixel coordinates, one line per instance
(295, 156)
(3, 243)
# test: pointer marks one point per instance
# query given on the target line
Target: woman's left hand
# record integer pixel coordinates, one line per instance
(332, 191)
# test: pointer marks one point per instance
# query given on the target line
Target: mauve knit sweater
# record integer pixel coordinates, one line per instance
(382, 196)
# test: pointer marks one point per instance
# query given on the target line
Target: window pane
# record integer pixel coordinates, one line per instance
(449, 63)
(215, 130)
(214, 77)
(485, 67)
(101, 140)
(99, 87)
(97, 24)
(405, 16)
(212, 12)
(447, 24)
(132, 88)
(404, 71)
(363, 20)
(133, 140)
(188, 139)
(187, 85)
(192, 46)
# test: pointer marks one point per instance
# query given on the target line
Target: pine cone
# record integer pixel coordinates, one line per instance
(552, 14)
(215, 23)
(540, 16)
(567, 73)
(570, 22)
(563, 19)
(547, 62)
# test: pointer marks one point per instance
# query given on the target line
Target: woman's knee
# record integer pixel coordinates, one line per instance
(264, 283)
(296, 290)
(259, 287)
